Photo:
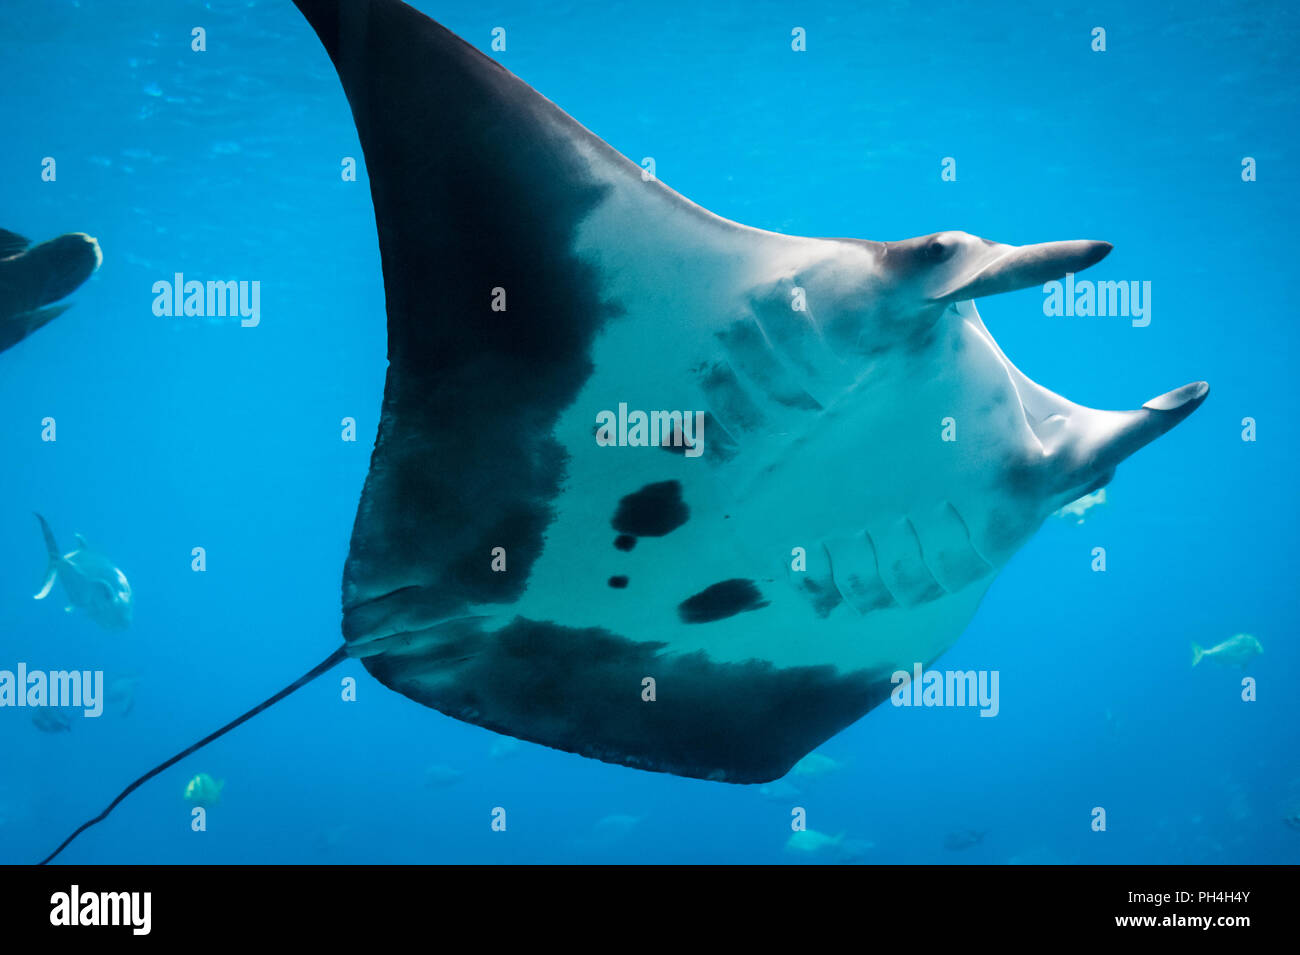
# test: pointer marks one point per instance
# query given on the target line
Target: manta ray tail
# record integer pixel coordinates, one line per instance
(328, 663)
(52, 570)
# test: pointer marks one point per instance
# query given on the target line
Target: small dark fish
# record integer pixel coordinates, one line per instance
(963, 839)
(439, 776)
(51, 721)
(121, 694)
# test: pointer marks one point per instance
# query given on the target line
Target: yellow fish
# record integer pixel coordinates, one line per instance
(203, 790)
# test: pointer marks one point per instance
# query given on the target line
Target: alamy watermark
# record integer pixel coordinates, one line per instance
(55, 688)
(131, 910)
(1086, 298)
(661, 429)
(195, 299)
(924, 687)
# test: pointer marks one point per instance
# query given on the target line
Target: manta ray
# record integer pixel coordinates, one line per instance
(33, 277)
(712, 604)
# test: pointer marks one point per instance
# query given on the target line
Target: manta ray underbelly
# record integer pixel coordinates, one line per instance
(754, 662)
(858, 494)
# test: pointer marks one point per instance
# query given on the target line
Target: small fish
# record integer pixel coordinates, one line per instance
(504, 747)
(1077, 509)
(963, 839)
(814, 766)
(439, 776)
(855, 850)
(51, 720)
(1292, 819)
(780, 791)
(615, 826)
(335, 838)
(203, 790)
(121, 694)
(608, 832)
(1236, 651)
(92, 582)
(811, 842)
(1113, 722)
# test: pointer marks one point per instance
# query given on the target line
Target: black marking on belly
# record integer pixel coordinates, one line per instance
(823, 595)
(856, 573)
(579, 690)
(624, 541)
(618, 582)
(676, 443)
(655, 510)
(800, 400)
(721, 600)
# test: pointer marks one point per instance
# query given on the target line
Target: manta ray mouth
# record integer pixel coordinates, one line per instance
(1080, 446)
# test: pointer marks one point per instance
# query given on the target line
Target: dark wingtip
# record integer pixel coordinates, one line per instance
(1101, 249)
(323, 15)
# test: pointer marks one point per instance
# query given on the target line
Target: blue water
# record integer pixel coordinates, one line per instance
(181, 433)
